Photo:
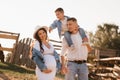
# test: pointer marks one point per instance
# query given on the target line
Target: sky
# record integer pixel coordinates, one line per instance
(22, 16)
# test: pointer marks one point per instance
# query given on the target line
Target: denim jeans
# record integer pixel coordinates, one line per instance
(80, 69)
(68, 36)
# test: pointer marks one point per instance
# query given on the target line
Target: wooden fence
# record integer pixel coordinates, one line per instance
(8, 35)
(21, 56)
(107, 64)
(106, 53)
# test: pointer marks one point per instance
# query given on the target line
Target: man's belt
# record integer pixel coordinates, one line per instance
(79, 61)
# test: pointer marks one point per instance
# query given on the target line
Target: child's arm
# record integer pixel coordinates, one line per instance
(53, 26)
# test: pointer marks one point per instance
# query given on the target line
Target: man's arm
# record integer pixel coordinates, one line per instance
(63, 61)
(85, 39)
(89, 48)
(63, 54)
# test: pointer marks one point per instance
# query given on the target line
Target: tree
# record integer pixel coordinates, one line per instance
(107, 36)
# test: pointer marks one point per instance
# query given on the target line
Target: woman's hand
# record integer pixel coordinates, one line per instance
(47, 71)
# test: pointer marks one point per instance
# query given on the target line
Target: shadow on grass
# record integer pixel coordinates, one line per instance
(15, 68)
(3, 76)
(59, 75)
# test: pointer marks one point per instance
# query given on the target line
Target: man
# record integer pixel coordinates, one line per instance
(76, 58)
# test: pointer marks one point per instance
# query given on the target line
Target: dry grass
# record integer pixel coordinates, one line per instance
(15, 72)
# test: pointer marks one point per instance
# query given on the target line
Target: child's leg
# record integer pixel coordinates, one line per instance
(68, 38)
(82, 33)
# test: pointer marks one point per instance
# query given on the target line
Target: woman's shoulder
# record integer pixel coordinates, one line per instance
(36, 45)
(36, 42)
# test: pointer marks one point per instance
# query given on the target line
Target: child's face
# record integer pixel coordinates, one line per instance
(72, 26)
(59, 15)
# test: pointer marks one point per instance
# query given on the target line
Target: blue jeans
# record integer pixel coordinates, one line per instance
(68, 36)
(80, 69)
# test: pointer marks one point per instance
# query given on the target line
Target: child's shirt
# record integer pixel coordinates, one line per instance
(64, 26)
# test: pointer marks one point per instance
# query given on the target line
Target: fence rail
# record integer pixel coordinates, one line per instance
(8, 35)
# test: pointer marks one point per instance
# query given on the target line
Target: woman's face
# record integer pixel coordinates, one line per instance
(42, 35)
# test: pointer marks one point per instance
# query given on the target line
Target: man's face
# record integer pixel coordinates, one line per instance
(72, 26)
(59, 15)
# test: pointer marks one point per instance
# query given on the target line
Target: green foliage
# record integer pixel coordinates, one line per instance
(107, 36)
(115, 43)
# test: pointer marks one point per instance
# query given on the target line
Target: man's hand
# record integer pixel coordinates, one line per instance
(64, 70)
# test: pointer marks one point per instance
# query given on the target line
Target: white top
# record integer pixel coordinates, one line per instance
(49, 60)
(78, 53)
(46, 50)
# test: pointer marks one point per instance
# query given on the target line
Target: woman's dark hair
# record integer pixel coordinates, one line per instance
(38, 38)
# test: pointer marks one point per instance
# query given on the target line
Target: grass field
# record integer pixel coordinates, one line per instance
(14, 72)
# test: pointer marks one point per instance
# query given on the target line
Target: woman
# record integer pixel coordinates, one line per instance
(44, 55)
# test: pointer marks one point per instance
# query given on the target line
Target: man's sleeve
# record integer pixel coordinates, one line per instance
(64, 47)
